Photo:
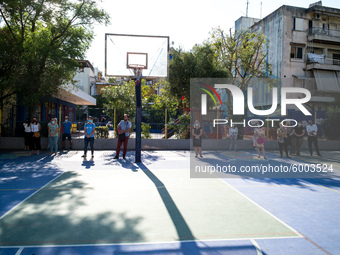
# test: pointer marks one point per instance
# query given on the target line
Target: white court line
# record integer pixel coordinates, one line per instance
(146, 243)
(258, 249)
(292, 229)
(1, 217)
(19, 251)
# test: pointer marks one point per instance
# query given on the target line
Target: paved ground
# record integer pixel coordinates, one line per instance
(67, 205)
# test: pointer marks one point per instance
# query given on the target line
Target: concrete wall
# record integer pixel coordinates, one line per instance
(17, 143)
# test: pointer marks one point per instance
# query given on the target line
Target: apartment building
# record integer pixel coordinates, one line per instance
(303, 50)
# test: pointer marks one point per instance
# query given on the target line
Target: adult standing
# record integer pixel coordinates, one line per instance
(297, 139)
(124, 127)
(233, 132)
(259, 140)
(282, 139)
(89, 131)
(312, 131)
(27, 134)
(67, 132)
(197, 138)
(35, 128)
(53, 133)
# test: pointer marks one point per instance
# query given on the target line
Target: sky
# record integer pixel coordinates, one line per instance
(186, 22)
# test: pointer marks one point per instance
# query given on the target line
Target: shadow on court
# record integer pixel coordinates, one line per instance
(52, 217)
(306, 169)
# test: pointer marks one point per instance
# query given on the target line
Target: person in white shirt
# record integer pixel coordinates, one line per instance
(233, 132)
(312, 131)
(35, 128)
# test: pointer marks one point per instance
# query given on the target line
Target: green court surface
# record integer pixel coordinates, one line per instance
(107, 202)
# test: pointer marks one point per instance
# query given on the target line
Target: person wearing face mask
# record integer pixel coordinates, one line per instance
(297, 139)
(27, 134)
(123, 128)
(197, 138)
(259, 140)
(53, 133)
(233, 132)
(312, 131)
(67, 132)
(89, 131)
(35, 128)
(282, 139)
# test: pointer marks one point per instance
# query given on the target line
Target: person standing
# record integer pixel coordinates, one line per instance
(197, 138)
(297, 139)
(53, 133)
(27, 134)
(124, 127)
(35, 128)
(67, 132)
(312, 131)
(259, 140)
(89, 130)
(233, 132)
(282, 139)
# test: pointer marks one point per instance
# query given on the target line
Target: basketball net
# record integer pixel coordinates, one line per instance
(138, 71)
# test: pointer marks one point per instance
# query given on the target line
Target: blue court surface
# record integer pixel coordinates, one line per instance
(67, 205)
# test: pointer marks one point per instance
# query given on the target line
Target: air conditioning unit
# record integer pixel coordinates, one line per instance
(317, 16)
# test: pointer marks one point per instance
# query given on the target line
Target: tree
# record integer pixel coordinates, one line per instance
(119, 97)
(243, 54)
(198, 63)
(39, 43)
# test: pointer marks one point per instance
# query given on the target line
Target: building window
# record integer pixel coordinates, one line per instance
(298, 24)
(296, 52)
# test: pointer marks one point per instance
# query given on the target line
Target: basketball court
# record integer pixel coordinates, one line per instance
(66, 205)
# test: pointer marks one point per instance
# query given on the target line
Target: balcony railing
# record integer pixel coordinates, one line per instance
(326, 61)
(324, 32)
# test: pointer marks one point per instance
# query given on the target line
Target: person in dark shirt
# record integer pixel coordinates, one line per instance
(67, 132)
(297, 139)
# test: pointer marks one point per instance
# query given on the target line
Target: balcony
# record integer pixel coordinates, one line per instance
(319, 61)
(321, 35)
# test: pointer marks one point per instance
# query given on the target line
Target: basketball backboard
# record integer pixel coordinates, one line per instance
(123, 51)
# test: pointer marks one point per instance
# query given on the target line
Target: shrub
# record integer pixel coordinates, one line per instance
(181, 127)
(146, 131)
(102, 132)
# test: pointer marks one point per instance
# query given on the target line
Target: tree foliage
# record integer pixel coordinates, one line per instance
(121, 97)
(39, 43)
(243, 54)
(201, 62)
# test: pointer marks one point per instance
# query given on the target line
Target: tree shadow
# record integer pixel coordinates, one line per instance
(53, 216)
(22, 176)
(248, 159)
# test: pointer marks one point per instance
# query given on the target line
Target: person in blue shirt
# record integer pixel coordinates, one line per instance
(67, 132)
(89, 130)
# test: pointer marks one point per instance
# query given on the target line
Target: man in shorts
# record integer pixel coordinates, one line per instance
(67, 132)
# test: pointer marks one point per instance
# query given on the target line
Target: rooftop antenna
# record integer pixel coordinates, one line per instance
(261, 10)
(247, 9)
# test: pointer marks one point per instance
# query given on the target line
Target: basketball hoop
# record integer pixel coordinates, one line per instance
(137, 69)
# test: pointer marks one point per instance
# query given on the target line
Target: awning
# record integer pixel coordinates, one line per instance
(327, 80)
(75, 96)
